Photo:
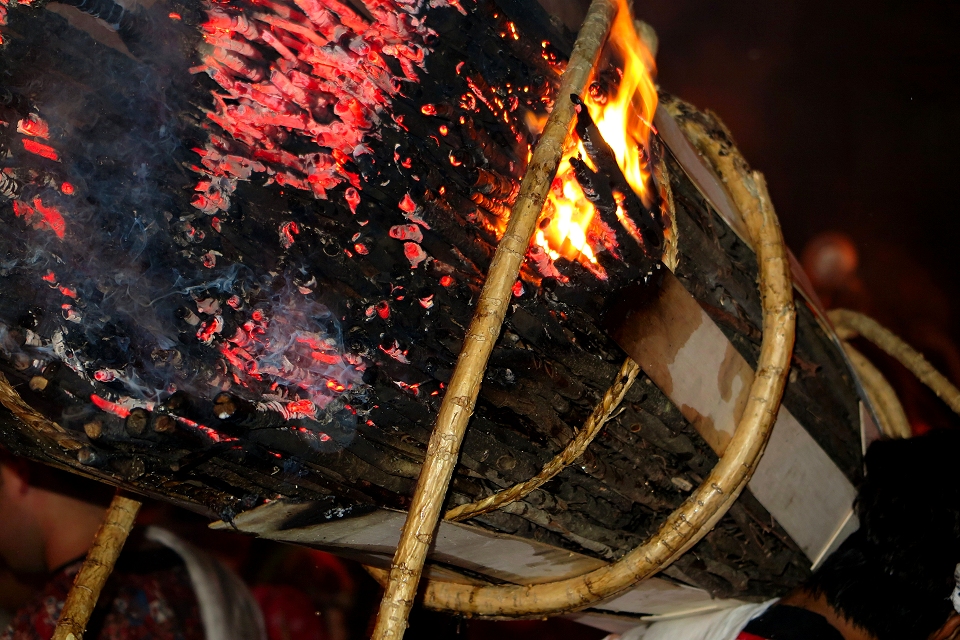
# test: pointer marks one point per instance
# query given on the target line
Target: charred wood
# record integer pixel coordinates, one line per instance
(211, 445)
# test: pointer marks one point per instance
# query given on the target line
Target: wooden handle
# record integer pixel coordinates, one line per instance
(86, 588)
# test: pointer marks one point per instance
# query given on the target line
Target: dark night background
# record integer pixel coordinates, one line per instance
(849, 108)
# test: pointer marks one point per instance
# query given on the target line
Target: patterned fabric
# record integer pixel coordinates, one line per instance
(148, 597)
(783, 622)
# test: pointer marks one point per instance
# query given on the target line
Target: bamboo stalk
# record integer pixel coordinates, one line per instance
(850, 324)
(96, 568)
(574, 449)
(460, 398)
(34, 420)
(893, 420)
(701, 511)
(708, 135)
(110, 537)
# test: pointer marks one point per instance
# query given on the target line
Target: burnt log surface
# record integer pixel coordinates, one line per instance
(453, 143)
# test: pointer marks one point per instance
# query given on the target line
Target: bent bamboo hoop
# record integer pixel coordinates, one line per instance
(574, 449)
(890, 414)
(850, 324)
(97, 567)
(732, 169)
(460, 398)
(700, 512)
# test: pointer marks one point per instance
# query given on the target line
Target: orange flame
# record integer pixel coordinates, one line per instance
(569, 227)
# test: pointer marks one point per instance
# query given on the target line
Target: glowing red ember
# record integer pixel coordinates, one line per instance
(409, 232)
(110, 407)
(34, 126)
(287, 231)
(414, 253)
(352, 197)
(40, 216)
(331, 62)
(407, 204)
(42, 150)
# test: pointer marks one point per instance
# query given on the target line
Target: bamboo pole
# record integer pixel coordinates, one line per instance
(110, 537)
(460, 398)
(96, 568)
(574, 449)
(701, 511)
(850, 324)
(893, 420)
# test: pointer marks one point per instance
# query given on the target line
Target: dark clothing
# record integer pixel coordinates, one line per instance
(148, 597)
(783, 622)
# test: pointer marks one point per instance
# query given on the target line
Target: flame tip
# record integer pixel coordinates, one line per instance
(570, 227)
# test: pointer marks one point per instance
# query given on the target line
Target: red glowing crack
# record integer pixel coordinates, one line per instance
(110, 407)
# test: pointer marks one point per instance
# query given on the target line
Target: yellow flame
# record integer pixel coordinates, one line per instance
(624, 119)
